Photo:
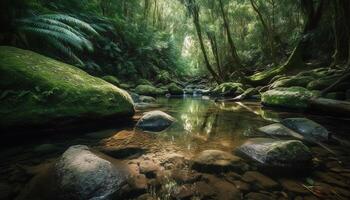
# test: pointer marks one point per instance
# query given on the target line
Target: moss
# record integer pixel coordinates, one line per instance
(37, 90)
(265, 76)
(320, 84)
(293, 97)
(175, 89)
(111, 79)
(336, 95)
(164, 77)
(149, 90)
(144, 82)
(301, 81)
(228, 89)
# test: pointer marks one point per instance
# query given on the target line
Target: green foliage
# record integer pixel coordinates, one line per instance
(61, 32)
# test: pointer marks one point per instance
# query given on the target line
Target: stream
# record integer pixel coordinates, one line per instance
(202, 124)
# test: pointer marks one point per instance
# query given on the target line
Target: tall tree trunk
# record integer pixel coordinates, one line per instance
(214, 48)
(269, 32)
(235, 57)
(194, 10)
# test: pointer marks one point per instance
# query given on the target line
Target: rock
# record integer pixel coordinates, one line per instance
(282, 155)
(309, 129)
(226, 190)
(259, 180)
(149, 90)
(248, 93)
(130, 151)
(125, 86)
(279, 130)
(293, 186)
(174, 89)
(204, 190)
(111, 79)
(163, 77)
(300, 81)
(155, 121)
(147, 99)
(216, 161)
(257, 196)
(80, 174)
(136, 186)
(293, 97)
(320, 84)
(347, 95)
(242, 186)
(41, 91)
(144, 82)
(183, 192)
(149, 168)
(184, 176)
(228, 89)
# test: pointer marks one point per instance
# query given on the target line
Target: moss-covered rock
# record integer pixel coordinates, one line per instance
(301, 81)
(163, 77)
(149, 90)
(174, 89)
(293, 97)
(37, 90)
(144, 82)
(320, 84)
(228, 89)
(111, 79)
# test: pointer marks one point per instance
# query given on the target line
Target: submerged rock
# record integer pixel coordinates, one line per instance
(37, 91)
(293, 97)
(216, 161)
(307, 128)
(279, 130)
(290, 154)
(83, 175)
(260, 181)
(155, 121)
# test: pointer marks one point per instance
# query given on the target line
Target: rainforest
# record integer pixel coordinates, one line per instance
(174, 99)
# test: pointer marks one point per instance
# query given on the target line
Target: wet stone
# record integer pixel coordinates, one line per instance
(136, 186)
(259, 180)
(216, 161)
(283, 155)
(149, 168)
(184, 176)
(183, 192)
(155, 121)
(130, 151)
(309, 129)
(293, 186)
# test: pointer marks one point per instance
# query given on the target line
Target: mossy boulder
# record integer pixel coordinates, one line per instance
(111, 79)
(301, 81)
(174, 89)
(336, 95)
(40, 91)
(149, 90)
(228, 89)
(320, 84)
(144, 82)
(163, 77)
(293, 97)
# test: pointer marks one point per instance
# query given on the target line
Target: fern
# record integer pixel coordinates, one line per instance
(63, 33)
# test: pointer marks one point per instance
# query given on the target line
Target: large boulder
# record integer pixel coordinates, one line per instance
(300, 81)
(278, 154)
(37, 90)
(111, 79)
(279, 130)
(174, 89)
(80, 174)
(216, 161)
(155, 121)
(293, 97)
(307, 128)
(149, 90)
(228, 89)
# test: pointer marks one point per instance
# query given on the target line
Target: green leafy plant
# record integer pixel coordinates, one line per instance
(63, 33)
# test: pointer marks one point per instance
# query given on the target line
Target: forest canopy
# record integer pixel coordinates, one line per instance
(226, 39)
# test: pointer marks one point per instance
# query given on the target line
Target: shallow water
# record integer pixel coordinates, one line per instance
(201, 124)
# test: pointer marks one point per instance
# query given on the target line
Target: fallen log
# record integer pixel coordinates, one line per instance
(330, 106)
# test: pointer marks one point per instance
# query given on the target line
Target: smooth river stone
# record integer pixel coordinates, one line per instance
(266, 152)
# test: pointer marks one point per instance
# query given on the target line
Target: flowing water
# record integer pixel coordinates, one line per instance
(201, 124)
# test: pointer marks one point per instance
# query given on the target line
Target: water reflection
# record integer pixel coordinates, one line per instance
(204, 124)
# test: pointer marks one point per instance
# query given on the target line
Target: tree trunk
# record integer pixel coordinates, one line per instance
(235, 57)
(214, 48)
